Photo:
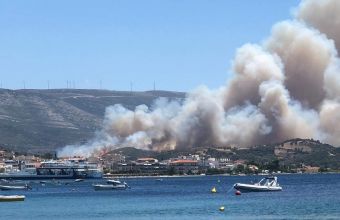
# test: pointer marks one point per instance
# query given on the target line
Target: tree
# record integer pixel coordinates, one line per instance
(274, 165)
(172, 171)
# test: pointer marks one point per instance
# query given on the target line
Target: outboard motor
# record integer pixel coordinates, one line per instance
(126, 185)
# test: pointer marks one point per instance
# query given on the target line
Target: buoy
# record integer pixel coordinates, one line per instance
(221, 208)
(238, 193)
(218, 180)
(213, 190)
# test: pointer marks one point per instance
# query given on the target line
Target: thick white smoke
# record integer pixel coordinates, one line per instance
(285, 88)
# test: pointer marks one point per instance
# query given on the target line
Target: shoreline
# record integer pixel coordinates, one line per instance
(182, 176)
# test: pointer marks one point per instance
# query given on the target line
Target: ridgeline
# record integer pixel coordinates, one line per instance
(40, 121)
(37, 121)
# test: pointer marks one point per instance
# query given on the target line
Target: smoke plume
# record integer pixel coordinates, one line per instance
(287, 87)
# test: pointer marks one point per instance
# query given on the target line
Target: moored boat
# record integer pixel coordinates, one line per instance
(12, 187)
(12, 198)
(267, 184)
(114, 182)
(111, 185)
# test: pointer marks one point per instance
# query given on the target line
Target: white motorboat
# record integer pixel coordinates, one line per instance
(267, 184)
(12, 198)
(14, 187)
(111, 185)
(114, 182)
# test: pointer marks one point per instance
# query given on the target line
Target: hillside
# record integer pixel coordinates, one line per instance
(43, 120)
(291, 153)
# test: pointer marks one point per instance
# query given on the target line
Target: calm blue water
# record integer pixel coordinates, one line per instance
(303, 197)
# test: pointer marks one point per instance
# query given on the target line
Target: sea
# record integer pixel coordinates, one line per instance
(313, 196)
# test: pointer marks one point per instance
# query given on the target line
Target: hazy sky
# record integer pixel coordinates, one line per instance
(179, 44)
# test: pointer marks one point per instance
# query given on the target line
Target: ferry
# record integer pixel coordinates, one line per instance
(56, 169)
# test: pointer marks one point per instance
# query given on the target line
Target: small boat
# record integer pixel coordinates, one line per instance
(13, 198)
(14, 187)
(267, 184)
(114, 182)
(111, 185)
(79, 180)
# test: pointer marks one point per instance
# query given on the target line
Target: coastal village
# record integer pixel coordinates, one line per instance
(116, 163)
(140, 110)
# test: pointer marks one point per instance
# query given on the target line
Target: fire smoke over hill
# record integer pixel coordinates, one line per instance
(287, 87)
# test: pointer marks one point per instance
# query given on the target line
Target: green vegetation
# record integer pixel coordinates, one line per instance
(320, 155)
(39, 121)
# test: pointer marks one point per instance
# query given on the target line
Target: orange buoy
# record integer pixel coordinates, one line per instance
(238, 193)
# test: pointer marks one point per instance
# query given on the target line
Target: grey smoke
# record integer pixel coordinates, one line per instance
(323, 15)
(287, 87)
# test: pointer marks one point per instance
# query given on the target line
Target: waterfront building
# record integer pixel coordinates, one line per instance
(185, 166)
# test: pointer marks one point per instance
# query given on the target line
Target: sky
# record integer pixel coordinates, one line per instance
(178, 44)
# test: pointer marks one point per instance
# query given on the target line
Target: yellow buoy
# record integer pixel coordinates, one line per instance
(213, 190)
(221, 208)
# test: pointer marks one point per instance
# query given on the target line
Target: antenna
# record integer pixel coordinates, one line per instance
(24, 84)
(154, 85)
(74, 84)
(131, 86)
(48, 84)
(100, 85)
(69, 84)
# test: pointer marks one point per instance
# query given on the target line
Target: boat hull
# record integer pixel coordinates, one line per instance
(45, 177)
(4, 187)
(35, 177)
(109, 187)
(14, 198)
(255, 188)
